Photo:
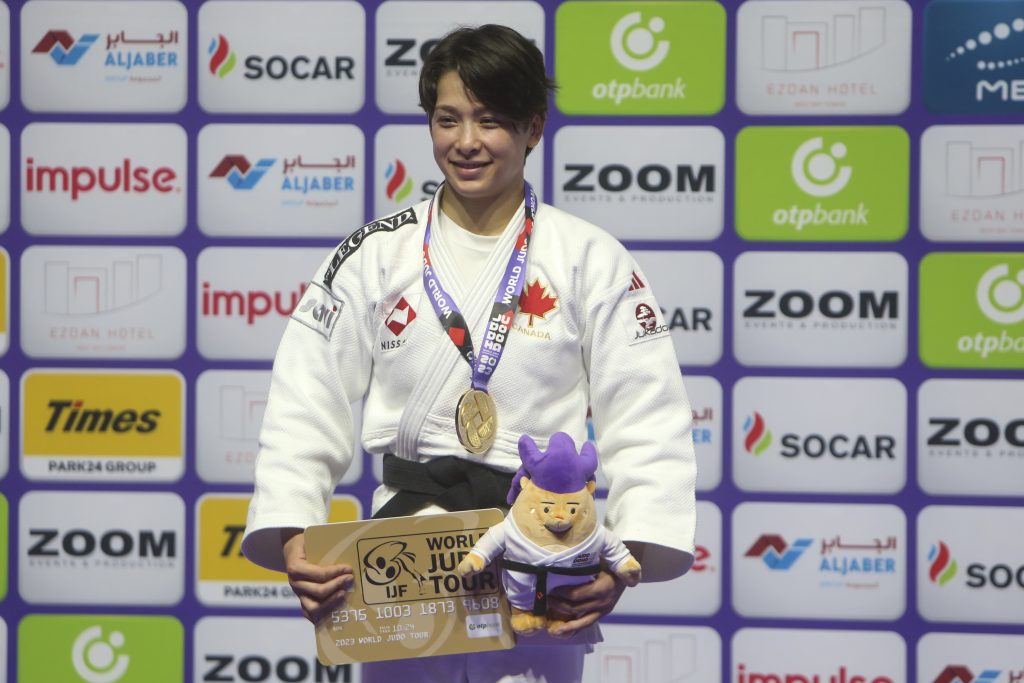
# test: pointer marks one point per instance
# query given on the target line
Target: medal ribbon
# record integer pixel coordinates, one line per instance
(505, 301)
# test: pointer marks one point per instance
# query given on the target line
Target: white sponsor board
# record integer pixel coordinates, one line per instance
(5, 159)
(229, 412)
(103, 302)
(971, 657)
(842, 309)
(819, 561)
(407, 31)
(405, 171)
(689, 287)
(654, 654)
(820, 58)
(696, 593)
(298, 56)
(101, 548)
(766, 654)
(970, 564)
(819, 434)
(5, 300)
(705, 394)
(280, 180)
(972, 183)
(244, 296)
(5, 423)
(93, 179)
(643, 182)
(104, 56)
(5, 55)
(261, 648)
(970, 437)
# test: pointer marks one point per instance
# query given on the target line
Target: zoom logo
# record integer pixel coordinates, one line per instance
(1000, 296)
(97, 659)
(817, 172)
(636, 47)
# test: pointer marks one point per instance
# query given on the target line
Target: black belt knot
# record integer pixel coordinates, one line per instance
(450, 482)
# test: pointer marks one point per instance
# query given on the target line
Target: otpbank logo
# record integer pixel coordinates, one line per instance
(640, 57)
(845, 309)
(968, 572)
(103, 302)
(100, 648)
(407, 31)
(298, 56)
(787, 439)
(971, 184)
(811, 561)
(101, 548)
(103, 179)
(970, 658)
(103, 55)
(269, 180)
(818, 58)
(224, 577)
(762, 655)
(972, 310)
(87, 425)
(973, 61)
(822, 184)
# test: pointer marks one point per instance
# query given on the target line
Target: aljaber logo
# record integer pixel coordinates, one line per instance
(63, 49)
(636, 47)
(817, 172)
(239, 172)
(776, 553)
(1000, 296)
(961, 674)
(96, 659)
(942, 567)
(756, 436)
(222, 58)
(399, 181)
(974, 56)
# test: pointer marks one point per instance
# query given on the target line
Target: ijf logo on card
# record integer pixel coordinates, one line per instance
(819, 58)
(297, 56)
(762, 654)
(640, 57)
(664, 183)
(844, 309)
(280, 181)
(968, 570)
(973, 61)
(822, 184)
(972, 183)
(972, 310)
(103, 56)
(785, 438)
(408, 30)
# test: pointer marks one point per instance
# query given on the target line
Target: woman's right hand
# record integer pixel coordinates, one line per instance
(320, 589)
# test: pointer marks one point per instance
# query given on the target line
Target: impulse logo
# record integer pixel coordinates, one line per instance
(78, 180)
(843, 676)
(222, 57)
(943, 565)
(250, 305)
(399, 182)
(756, 436)
(776, 553)
(63, 49)
(239, 172)
(961, 674)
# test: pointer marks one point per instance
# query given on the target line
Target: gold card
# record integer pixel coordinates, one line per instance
(408, 599)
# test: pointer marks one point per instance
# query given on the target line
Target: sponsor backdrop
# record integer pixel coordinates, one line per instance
(827, 197)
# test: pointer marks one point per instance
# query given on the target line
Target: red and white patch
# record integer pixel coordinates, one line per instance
(400, 317)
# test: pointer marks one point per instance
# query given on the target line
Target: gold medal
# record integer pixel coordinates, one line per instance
(476, 421)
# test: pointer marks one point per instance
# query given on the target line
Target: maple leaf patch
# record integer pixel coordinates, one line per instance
(536, 301)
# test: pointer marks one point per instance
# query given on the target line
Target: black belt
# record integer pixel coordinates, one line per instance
(540, 595)
(449, 482)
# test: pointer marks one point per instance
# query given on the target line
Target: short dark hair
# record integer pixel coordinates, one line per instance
(502, 69)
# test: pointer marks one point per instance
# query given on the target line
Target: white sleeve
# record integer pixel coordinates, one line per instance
(642, 420)
(491, 544)
(322, 366)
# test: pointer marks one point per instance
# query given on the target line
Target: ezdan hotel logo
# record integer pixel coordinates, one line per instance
(62, 48)
(972, 310)
(640, 58)
(974, 56)
(822, 184)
